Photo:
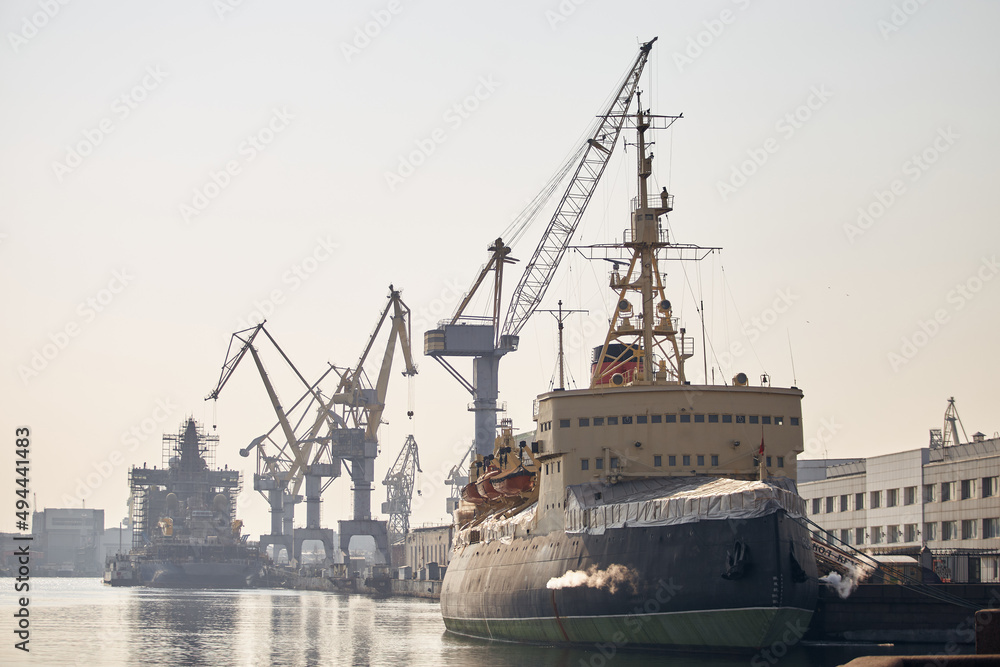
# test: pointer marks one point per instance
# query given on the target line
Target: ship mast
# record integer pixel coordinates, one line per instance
(645, 349)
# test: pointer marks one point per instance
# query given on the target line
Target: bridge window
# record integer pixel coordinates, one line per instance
(584, 464)
(685, 419)
(700, 419)
(563, 423)
(754, 419)
(670, 419)
(713, 419)
(584, 421)
(612, 421)
(641, 419)
(727, 419)
(657, 461)
(656, 419)
(671, 460)
(598, 421)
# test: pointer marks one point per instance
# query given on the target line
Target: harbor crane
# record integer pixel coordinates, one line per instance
(343, 432)
(488, 339)
(399, 490)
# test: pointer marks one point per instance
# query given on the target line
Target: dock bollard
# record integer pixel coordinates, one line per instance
(988, 632)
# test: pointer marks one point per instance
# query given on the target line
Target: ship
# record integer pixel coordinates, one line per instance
(642, 510)
(185, 530)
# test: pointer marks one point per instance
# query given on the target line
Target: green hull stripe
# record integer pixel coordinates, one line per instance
(724, 628)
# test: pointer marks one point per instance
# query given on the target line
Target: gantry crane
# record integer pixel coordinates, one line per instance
(487, 340)
(399, 490)
(284, 457)
(360, 406)
(344, 431)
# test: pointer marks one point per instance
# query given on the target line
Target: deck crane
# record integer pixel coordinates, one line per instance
(359, 407)
(488, 342)
(399, 490)
(283, 456)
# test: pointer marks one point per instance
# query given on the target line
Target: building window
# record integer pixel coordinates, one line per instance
(991, 527)
(794, 421)
(909, 496)
(829, 504)
(929, 495)
(892, 497)
(778, 421)
(844, 504)
(599, 464)
(672, 460)
(727, 419)
(876, 500)
(713, 419)
(781, 461)
(612, 421)
(701, 459)
(947, 491)
(699, 419)
(584, 421)
(859, 501)
(598, 421)
(685, 419)
(656, 419)
(910, 532)
(641, 419)
(969, 529)
(893, 534)
(949, 530)
(878, 534)
(715, 460)
(657, 461)
(686, 460)
(754, 419)
(563, 423)
(989, 487)
(741, 419)
(584, 464)
(767, 461)
(765, 419)
(859, 536)
(845, 535)
(614, 462)
(626, 419)
(816, 502)
(930, 531)
(670, 419)
(968, 489)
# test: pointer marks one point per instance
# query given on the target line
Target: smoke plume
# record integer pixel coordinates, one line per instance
(613, 578)
(844, 585)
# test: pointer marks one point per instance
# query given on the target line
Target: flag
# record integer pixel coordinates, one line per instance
(761, 452)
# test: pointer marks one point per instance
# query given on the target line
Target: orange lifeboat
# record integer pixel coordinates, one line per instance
(515, 482)
(485, 485)
(471, 494)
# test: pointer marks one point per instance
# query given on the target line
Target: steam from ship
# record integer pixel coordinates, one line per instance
(844, 585)
(614, 577)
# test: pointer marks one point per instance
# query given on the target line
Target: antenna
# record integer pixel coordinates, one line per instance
(795, 382)
(560, 316)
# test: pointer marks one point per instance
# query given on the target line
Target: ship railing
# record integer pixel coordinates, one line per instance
(662, 236)
(660, 200)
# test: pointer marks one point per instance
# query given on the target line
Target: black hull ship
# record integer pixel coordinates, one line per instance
(641, 510)
(185, 530)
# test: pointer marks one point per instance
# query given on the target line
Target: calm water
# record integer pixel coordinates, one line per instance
(83, 622)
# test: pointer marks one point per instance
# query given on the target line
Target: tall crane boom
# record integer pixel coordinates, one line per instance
(556, 239)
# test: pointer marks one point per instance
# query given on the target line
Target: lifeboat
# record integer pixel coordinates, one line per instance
(485, 485)
(515, 482)
(470, 494)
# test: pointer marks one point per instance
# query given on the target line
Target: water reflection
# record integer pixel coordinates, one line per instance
(81, 622)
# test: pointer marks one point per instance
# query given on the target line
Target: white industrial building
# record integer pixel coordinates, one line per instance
(942, 498)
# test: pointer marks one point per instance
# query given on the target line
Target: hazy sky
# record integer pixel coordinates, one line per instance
(169, 171)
